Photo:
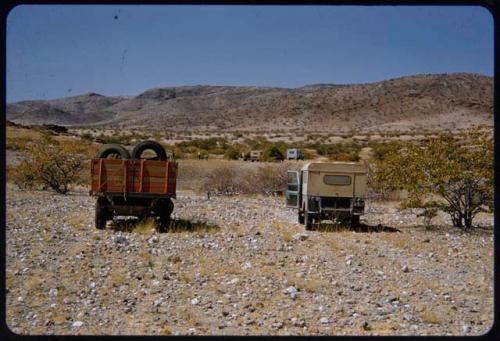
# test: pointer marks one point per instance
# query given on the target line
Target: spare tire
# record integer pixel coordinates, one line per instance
(139, 148)
(113, 148)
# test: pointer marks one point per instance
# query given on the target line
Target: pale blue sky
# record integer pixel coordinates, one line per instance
(58, 51)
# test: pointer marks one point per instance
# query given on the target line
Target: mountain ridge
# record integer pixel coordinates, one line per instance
(446, 100)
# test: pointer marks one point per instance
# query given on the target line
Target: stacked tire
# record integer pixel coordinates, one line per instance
(163, 207)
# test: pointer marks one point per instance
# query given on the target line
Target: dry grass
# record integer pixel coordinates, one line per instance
(117, 277)
(310, 285)
(34, 282)
(400, 242)
(431, 317)
(189, 315)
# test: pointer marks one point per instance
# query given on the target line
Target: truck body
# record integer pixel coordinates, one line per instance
(255, 155)
(137, 187)
(294, 154)
(327, 191)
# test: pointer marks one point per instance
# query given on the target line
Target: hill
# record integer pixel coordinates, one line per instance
(433, 102)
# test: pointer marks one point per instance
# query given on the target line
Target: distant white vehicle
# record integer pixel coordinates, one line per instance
(294, 154)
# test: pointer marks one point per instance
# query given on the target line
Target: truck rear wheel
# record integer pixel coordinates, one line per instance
(355, 221)
(301, 218)
(308, 221)
(164, 209)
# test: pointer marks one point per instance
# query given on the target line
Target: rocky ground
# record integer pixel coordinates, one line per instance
(241, 266)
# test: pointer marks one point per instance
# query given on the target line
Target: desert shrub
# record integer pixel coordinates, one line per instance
(232, 154)
(458, 172)
(380, 149)
(308, 155)
(339, 151)
(118, 139)
(52, 164)
(269, 179)
(265, 180)
(272, 153)
(223, 181)
(17, 143)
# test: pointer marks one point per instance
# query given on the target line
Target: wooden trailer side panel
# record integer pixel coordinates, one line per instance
(133, 176)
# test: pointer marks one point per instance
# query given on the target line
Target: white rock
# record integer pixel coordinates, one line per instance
(92, 285)
(53, 292)
(234, 281)
(195, 301)
(324, 320)
(466, 329)
(77, 324)
(405, 268)
(290, 290)
(120, 240)
(246, 265)
(300, 236)
(20, 299)
(158, 302)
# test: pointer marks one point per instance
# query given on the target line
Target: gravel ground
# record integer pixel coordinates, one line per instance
(241, 266)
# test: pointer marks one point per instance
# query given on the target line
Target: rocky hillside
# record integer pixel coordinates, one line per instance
(423, 101)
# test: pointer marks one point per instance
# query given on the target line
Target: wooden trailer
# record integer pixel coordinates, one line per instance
(137, 187)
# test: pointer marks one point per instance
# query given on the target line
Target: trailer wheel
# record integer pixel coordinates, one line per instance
(355, 221)
(308, 221)
(152, 145)
(113, 150)
(301, 218)
(101, 215)
(164, 209)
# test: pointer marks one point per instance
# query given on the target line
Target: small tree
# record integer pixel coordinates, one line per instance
(232, 154)
(272, 154)
(52, 164)
(453, 175)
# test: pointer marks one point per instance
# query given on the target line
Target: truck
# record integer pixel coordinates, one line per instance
(255, 155)
(327, 191)
(294, 154)
(125, 185)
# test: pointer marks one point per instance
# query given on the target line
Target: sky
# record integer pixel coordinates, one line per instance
(58, 51)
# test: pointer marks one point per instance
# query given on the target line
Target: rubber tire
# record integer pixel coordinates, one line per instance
(139, 148)
(355, 221)
(112, 148)
(101, 215)
(308, 221)
(164, 209)
(301, 218)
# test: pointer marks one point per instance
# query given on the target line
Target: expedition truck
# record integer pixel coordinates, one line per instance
(327, 191)
(294, 154)
(127, 184)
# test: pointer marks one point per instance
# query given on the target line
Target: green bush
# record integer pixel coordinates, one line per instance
(232, 154)
(52, 164)
(272, 154)
(457, 173)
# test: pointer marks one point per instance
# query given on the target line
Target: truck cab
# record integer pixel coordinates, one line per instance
(327, 191)
(294, 154)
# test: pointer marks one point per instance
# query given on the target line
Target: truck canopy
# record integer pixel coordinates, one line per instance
(349, 167)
